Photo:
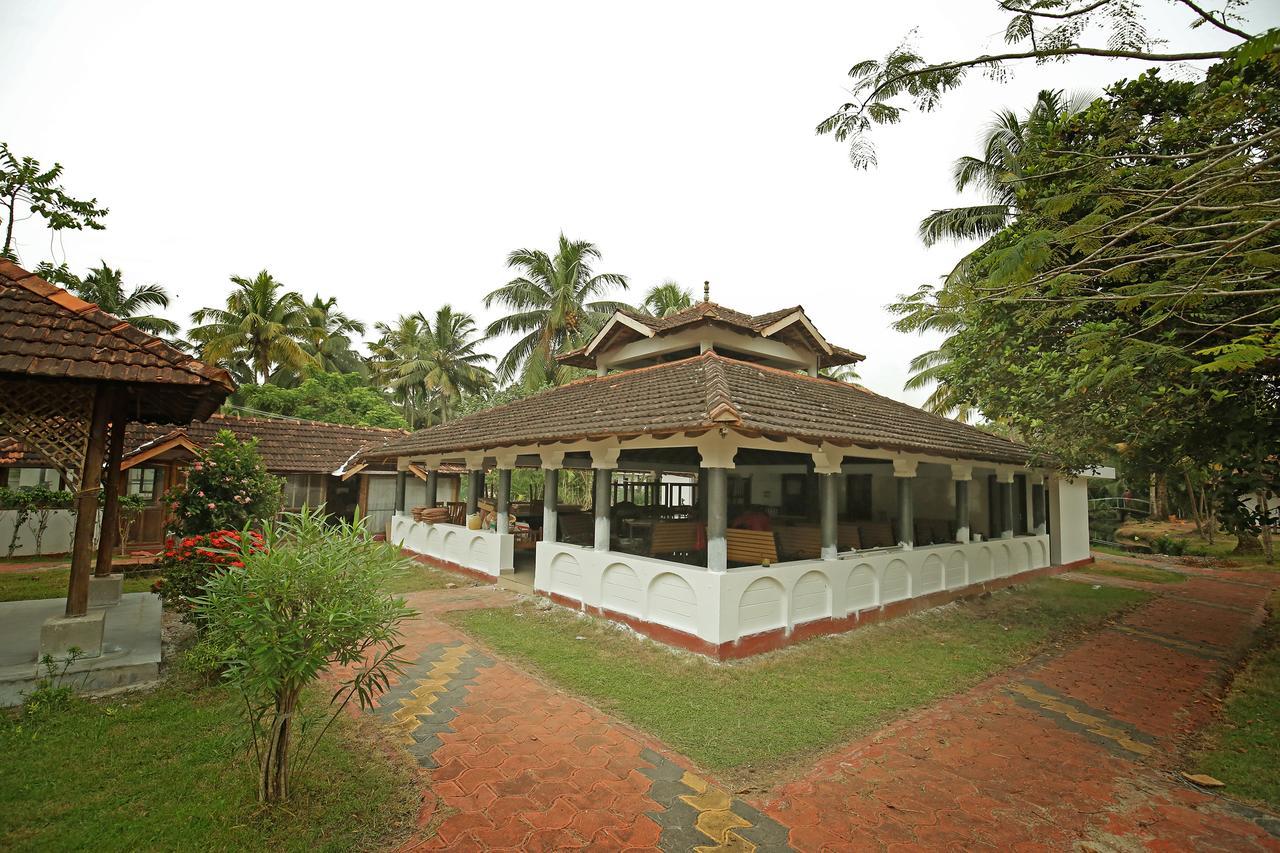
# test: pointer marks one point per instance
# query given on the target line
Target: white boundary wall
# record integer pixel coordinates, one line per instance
(721, 607)
(481, 550)
(57, 536)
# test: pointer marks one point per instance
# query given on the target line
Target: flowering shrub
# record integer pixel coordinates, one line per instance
(189, 562)
(227, 488)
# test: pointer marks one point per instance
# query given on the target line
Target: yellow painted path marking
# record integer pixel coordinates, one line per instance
(419, 702)
(1090, 722)
(715, 820)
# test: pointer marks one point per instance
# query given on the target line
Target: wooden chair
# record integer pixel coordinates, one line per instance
(800, 541)
(576, 528)
(876, 534)
(673, 538)
(752, 547)
(847, 537)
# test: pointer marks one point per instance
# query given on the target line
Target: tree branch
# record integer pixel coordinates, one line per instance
(1009, 7)
(1208, 16)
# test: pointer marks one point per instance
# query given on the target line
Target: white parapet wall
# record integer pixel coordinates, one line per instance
(479, 550)
(57, 536)
(724, 607)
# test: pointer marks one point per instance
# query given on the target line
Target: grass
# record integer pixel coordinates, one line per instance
(747, 717)
(419, 576)
(1243, 747)
(171, 770)
(1128, 571)
(52, 583)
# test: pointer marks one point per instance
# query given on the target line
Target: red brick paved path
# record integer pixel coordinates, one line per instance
(1067, 750)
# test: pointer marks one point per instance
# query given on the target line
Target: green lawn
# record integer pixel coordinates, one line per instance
(419, 576)
(1243, 747)
(52, 583)
(1129, 571)
(744, 717)
(169, 771)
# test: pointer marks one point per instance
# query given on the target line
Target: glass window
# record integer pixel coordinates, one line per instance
(303, 490)
(144, 482)
(35, 478)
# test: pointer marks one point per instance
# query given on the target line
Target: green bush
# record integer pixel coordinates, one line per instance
(1169, 545)
(314, 599)
(227, 488)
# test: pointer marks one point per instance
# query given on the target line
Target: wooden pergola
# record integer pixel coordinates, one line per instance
(71, 378)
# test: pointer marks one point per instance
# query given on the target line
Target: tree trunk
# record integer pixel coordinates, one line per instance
(1265, 509)
(1247, 543)
(1191, 499)
(273, 782)
(1207, 509)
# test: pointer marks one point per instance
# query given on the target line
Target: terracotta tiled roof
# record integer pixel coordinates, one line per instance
(710, 391)
(46, 332)
(285, 445)
(714, 313)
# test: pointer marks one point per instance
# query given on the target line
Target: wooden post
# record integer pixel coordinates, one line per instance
(87, 504)
(111, 489)
(433, 486)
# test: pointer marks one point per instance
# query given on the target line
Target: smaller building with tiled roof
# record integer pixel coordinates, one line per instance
(740, 497)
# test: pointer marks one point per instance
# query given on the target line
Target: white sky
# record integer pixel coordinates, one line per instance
(392, 154)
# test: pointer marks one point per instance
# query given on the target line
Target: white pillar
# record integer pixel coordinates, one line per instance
(604, 461)
(828, 484)
(962, 475)
(502, 524)
(904, 471)
(717, 518)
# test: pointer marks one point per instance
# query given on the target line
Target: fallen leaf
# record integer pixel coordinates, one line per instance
(1203, 781)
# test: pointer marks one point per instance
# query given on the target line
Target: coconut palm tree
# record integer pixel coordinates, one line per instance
(329, 337)
(262, 329)
(428, 365)
(555, 304)
(665, 299)
(998, 172)
(105, 288)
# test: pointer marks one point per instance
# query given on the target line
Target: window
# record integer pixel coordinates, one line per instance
(303, 490)
(144, 482)
(35, 478)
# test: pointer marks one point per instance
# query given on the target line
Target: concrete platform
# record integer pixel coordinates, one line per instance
(130, 650)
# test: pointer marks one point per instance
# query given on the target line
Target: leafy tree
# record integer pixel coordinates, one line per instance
(429, 365)
(227, 488)
(329, 338)
(312, 601)
(998, 172)
(1043, 31)
(262, 328)
(1130, 307)
(105, 288)
(26, 185)
(555, 304)
(665, 299)
(338, 398)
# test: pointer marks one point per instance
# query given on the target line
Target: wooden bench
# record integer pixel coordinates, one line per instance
(576, 528)
(673, 538)
(847, 536)
(751, 547)
(800, 541)
(876, 534)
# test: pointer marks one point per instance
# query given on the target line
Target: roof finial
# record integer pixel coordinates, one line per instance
(706, 291)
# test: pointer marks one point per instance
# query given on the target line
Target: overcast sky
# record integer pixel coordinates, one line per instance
(392, 154)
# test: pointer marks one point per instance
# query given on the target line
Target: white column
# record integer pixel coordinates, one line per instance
(716, 454)
(604, 461)
(551, 463)
(904, 471)
(502, 524)
(826, 464)
(961, 475)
